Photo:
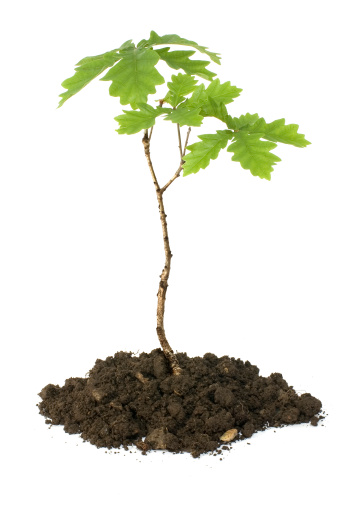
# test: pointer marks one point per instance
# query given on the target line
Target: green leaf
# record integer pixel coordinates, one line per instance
(202, 152)
(279, 132)
(241, 122)
(185, 116)
(156, 40)
(212, 99)
(222, 93)
(215, 109)
(254, 154)
(218, 93)
(127, 45)
(134, 77)
(180, 60)
(135, 121)
(86, 70)
(198, 98)
(180, 86)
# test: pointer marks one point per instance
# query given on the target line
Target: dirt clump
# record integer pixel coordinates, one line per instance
(130, 399)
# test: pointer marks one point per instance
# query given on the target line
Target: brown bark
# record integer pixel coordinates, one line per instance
(178, 172)
(163, 286)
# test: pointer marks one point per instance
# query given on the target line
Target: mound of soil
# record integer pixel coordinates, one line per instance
(135, 400)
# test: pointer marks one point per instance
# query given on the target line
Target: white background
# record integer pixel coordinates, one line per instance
(254, 271)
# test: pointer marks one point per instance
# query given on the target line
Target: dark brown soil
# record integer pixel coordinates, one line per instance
(134, 400)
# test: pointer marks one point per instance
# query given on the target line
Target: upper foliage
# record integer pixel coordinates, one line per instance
(134, 76)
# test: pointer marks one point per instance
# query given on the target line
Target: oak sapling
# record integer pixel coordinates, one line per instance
(187, 102)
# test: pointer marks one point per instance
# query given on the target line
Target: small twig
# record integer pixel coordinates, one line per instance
(177, 174)
(151, 131)
(179, 140)
(186, 141)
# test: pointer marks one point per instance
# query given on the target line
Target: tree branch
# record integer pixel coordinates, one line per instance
(177, 174)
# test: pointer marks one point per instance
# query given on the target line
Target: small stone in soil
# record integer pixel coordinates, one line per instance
(229, 435)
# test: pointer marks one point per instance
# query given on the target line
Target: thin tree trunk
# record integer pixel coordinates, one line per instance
(163, 286)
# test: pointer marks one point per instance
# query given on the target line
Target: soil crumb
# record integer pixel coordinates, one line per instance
(130, 399)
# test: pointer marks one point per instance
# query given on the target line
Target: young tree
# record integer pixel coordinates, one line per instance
(133, 73)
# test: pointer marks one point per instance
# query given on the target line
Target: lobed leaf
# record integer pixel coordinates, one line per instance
(215, 109)
(202, 152)
(222, 93)
(279, 132)
(241, 122)
(212, 99)
(180, 86)
(135, 121)
(180, 60)
(254, 154)
(185, 116)
(155, 40)
(86, 70)
(198, 98)
(127, 45)
(134, 77)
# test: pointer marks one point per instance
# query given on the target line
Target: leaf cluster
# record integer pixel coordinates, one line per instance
(133, 75)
